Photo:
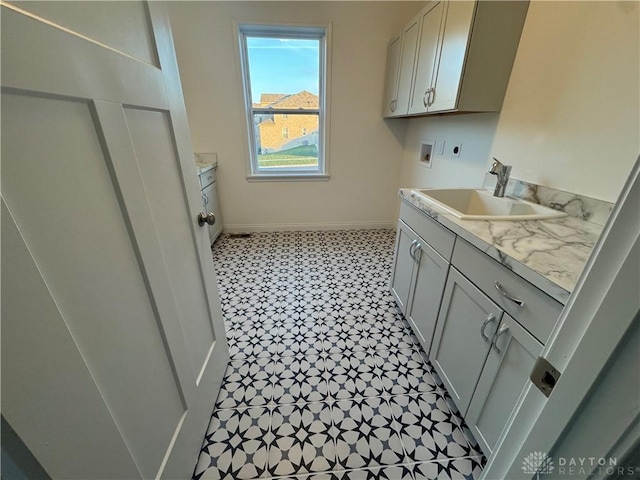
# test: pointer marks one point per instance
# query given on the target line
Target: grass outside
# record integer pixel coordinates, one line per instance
(303, 156)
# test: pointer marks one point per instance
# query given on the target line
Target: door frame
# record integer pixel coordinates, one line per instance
(599, 312)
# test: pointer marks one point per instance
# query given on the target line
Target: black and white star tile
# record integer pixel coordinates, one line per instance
(353, 375)
(247, 382)
(367, 434)
(235, 446)
(302, 439)
(453, 469)
(326, 379)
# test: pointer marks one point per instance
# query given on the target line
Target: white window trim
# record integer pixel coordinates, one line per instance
(284, 30)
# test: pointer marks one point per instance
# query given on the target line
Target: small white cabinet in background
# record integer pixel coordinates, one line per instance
(210, 203)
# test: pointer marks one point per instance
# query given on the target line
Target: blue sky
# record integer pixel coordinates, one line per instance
(279, 65)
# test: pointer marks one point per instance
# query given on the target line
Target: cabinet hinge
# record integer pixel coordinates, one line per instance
(544, 376)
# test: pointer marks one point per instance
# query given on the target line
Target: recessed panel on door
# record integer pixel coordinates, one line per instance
(155, 153)
(44, 376)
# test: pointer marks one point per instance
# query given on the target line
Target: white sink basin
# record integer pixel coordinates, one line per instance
(475, 204)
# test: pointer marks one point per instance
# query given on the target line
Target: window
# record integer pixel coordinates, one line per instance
(284, 72)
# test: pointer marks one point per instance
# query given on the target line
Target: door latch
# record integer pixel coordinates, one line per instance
(544, 376)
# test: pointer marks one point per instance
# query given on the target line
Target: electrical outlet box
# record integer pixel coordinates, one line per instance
(427, 148)
(454, 149)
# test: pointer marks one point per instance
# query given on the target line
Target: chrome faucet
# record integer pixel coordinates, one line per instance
(502, 172)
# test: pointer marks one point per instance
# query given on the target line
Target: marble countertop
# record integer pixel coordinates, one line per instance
(549, 253)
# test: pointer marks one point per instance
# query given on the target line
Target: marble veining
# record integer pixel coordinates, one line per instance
(549, 253)
(585, 208)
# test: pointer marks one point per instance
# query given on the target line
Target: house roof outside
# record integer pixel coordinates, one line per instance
(269, 98)
(300, 100)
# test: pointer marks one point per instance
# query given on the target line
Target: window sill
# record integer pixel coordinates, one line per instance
(294, 177)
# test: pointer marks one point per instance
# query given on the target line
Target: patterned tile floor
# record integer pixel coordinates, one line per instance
(326, 380)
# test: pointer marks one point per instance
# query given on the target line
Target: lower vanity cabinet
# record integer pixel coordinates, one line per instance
(419, 276)
(536, 311)
(481, 324)
(428, 285)
(505, 374)
(466, 325)
(403, 266)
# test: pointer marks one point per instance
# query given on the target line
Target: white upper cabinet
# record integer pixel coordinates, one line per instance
(462, 63)
(401, 57)
(453, 48)
(394, 50)
(426, 57)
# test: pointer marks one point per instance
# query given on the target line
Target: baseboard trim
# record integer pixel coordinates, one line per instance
(290, 227)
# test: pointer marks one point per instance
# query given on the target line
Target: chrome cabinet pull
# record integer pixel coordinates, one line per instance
(503, 329)
(413, 244)
(504, 293)
(415, 252)
(394, 105)
(425, 98)
(489, 319)
(432, 96)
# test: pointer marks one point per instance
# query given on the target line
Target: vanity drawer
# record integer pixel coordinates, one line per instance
(207, 178)
(538, 313)
(440, 238)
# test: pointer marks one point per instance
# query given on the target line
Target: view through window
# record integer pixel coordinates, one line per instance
(284, 78)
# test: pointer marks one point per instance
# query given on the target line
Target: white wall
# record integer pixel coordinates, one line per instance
(570, 118)
(364, 150)
(475, 132)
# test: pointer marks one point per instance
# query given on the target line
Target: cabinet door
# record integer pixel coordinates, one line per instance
(505, 374)
(426, 56)
(453, 52)
(393, 72)
(424, 304)
(466, 324)
(407, 62)
(403, 266)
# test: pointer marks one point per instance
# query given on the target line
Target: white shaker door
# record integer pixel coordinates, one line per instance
(113, 343)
